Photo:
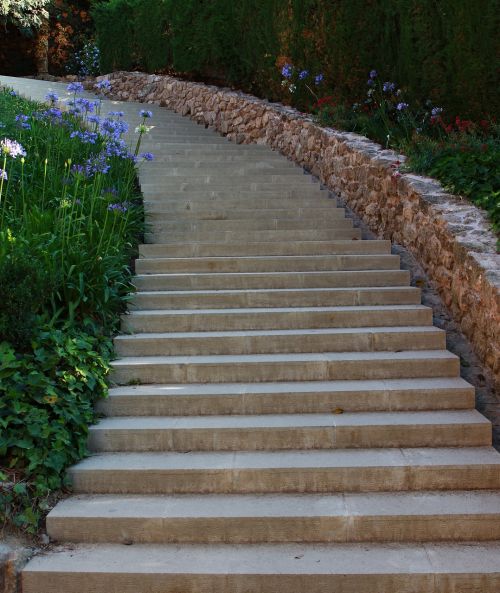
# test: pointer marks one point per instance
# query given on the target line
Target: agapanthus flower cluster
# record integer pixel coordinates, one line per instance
(318, 79)
(75, 87)
(85, 136)
(85, 105)
(304, 74)
(147, 156)
(119, 207)
(287, 71)
(113, 128)
(103, 85)
(402, 106)
(97, 165)
(142, 129)
(116, 113)
(52, 97)
(436, 111)
(146, 114)
(22, 121)
(388, 87)
(12, 148)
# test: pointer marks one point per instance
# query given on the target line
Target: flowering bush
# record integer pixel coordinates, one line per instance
(70, 221)
(86, 61)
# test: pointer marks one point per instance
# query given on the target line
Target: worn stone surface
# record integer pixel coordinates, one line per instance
(14, 553)
(450, 238)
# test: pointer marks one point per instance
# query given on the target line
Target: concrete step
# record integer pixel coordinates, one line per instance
(273, 280)
(231, 236)
(228, 158)
(163, 224)
(270, 263)
(210, 194)
(259, 162)
(317, 202)
(307, 297)
(247, 215)
(189, 184)
(299, 397)
(324, 366)
(297, 248)
(456, 516)
(310, 318)
(264, 341)
(465, 428)
(158, 170)
(335, 470)
(277, 568)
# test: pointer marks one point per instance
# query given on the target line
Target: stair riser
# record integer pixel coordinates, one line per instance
(286, 343)
(255, 439)
(257, 236)
(241, 530)
(277, 281)
(257, 205)
(268, 319)
(159, 172)
(209, 195)
(312, 264)
(148, 301)
(217, 226)
(286, 403)
(263, 371)
(346, 479)
(158, 582)
(163, 214)
(298, 248)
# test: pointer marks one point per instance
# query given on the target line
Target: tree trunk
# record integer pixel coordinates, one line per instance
(42, 48)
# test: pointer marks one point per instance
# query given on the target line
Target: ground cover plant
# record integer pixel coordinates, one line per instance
(70, 221)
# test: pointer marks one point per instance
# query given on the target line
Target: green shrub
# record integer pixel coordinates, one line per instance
(25, 288)
(437, 50)
(46, 405)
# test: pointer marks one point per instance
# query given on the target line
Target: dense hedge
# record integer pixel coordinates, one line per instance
(439, 50)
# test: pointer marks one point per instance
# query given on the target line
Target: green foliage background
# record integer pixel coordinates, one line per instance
(443, 50)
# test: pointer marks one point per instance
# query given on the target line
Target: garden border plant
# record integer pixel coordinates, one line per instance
(71, 218)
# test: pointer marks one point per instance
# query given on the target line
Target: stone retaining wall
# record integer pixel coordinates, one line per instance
(448, 236)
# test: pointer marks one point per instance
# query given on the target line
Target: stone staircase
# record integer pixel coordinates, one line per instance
(285, 416)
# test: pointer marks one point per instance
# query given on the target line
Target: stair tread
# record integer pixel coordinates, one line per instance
(263, 311)
(306, 356)
(276, 421)
(279, 505)
(278, 332)
(235, 461)
(208, 389)
(272, 559)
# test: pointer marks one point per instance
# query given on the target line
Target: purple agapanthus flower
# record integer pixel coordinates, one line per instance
(12, 148)
(402, 106)
(113, 128)
(85, 104)
(388, 87)
(97, 164)
(373, 74)
(370, 82)
(75, 87)
(319, 79)
(78, 169)
(303, 74)
(436, 111)
(116, 147)
(287, 70)
(52, 97)
(119, 207)
(13, 94)
(103, 85)
(116, 114)
(94, 119)
(146, 114)
(22, 121)
(85, 136)
(147, 156)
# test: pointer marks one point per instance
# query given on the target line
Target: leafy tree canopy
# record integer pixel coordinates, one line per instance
(25, 14)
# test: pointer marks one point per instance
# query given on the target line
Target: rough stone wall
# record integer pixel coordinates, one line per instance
(449, 237)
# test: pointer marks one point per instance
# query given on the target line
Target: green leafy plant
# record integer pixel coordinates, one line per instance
(70, 221)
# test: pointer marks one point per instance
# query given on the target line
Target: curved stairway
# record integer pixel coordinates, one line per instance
(286, 417)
